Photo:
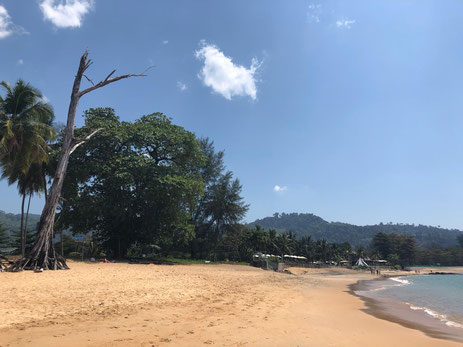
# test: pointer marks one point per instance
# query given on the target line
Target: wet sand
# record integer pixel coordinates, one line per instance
(224, 305)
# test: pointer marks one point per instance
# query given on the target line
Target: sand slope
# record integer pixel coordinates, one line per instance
(225, 305)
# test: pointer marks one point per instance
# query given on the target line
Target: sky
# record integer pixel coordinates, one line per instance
(350, 110)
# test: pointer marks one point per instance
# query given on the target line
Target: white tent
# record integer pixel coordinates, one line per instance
(361, 262)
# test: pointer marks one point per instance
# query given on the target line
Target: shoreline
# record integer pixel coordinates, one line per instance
(401, 312)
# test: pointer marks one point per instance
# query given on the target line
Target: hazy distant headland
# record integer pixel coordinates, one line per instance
(304, 224)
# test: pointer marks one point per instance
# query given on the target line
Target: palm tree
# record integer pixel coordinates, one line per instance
(272, 242)
(25, 130)
(321, 250)
(285, 243)
(306, 247)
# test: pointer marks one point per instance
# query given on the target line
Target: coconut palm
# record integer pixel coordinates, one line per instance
(25, 131)
(285, 243)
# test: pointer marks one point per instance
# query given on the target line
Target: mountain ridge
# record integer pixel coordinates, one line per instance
(308, 224)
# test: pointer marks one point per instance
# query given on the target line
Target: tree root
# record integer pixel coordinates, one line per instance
(42, 257)
(39, 259)
(5, 263)
(36, 263)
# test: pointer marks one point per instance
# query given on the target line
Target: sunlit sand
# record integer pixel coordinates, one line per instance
(191, 305)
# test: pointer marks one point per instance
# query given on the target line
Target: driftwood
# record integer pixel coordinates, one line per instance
(43, 254)
(5, 263)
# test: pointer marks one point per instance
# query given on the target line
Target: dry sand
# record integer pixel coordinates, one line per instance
(191, 305)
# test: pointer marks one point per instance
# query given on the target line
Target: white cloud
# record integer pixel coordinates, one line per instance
(314, 12)
(5, 23)
(278, 188)
(20, 62)
(7, 28)
(165, 42)
(345, 23)
(66, 13)
(225, 77)
(182, 86)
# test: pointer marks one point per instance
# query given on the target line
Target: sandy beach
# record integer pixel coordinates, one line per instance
(189, 305)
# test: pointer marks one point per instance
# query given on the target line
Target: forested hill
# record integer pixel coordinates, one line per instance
(303, 224)
(12, 221)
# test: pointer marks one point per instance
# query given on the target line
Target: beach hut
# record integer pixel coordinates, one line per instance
(361, 262)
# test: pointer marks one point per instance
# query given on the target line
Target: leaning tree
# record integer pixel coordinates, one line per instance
(43, 254)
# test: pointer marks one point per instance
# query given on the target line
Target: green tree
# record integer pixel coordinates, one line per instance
(25, 130)
(381, 244)
(258, 240)
(4, 239)
(286, 244)
(67, 246)
(16, 239)
(272, 246)
(460, 240)
(221, 206)
(407, 250)
(393, 259)
(133, 183)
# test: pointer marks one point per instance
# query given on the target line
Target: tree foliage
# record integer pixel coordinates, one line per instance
(25, 132)
(400, 249)
(221, 207)
(460, 240)
(4, 239)
(133, 182)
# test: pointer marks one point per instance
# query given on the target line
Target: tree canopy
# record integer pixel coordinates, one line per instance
(133, 182)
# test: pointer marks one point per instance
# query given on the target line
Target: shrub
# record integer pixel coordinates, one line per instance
(75, 255)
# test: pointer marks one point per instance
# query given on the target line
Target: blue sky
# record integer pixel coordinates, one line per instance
(351, 110)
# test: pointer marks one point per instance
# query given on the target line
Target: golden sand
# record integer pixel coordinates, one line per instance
(191, 305)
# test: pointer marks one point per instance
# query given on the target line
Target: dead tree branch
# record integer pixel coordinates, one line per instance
(108, 80)
(78, 142)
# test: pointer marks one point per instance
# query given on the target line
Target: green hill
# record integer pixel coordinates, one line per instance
(12, 221)
(303, 224)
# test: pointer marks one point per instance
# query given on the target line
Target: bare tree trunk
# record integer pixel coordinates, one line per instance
(43, 253)
(27, 217)
(45, 185)
(22, 235)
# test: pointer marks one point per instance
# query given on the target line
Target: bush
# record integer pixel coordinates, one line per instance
(139, 250)
(75, 255)
(361, 267)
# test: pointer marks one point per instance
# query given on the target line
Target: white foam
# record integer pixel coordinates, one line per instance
(402, 281)
(453, 324)
(434, 314)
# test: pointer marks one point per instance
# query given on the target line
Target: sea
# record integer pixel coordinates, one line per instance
(432, 303)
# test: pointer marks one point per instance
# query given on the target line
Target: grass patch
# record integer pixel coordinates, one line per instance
(198, 261)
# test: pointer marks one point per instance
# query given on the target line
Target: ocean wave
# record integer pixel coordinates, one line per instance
(434, 314)
(399, 283)
(402, 281)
